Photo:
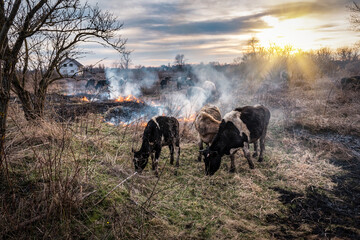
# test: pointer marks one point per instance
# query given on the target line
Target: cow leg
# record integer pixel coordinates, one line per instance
(171, 148)
(152, 156)
(157, 156)
(247, 155)
(201, 147)
(256, 149)
(232, 163)
(177, 155)
(262, 147)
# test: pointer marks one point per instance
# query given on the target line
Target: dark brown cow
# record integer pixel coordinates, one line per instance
(159, 131)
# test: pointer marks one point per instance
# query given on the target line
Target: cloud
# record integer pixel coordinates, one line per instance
(300, 9)
(235, 25)
(215, 30)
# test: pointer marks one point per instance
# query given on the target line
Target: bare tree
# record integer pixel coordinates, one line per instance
(180, 60)
(36, 35)
(125, 61)
(355, 15)
(253, 44)
(347, 54)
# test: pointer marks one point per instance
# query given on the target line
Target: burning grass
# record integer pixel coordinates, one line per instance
(307, 187)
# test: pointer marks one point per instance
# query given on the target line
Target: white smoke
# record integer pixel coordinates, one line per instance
(224, 88)
(185, 105)
(70, 88)
(123, 82)
(116, 80)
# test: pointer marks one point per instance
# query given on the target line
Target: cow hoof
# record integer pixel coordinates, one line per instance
(255, 154)
(177, 165)
(232, 170)
(251, 166)
(199, 159)
(260, 159)
(156, 174)
(172, 162)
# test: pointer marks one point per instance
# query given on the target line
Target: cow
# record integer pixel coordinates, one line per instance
(211, 92)
(238, 129)
(164, 82)
(184, 81)
(207, 122)
(90, 83)
(159, 131)
(209, 86)
(180, 82)
(102, 84)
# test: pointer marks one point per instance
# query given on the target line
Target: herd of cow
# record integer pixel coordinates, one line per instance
(223, 136)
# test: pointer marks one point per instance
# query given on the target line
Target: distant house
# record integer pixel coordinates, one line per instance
(71, 67)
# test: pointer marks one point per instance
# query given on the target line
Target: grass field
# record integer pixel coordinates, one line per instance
(60, 177)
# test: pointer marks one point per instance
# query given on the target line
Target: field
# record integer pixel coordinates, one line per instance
(60, 177)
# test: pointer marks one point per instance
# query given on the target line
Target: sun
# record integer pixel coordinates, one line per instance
(286, 32)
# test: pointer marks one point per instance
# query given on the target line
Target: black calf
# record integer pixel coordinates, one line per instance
(159, 131)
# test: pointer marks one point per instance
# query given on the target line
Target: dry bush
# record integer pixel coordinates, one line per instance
(47, 173)
(327, 108)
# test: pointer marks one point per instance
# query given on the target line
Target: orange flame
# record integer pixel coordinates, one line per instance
(84, 99)
(141, 124)
(129, 98)
(191, 118)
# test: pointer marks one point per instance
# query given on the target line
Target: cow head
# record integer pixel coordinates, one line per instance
(140, 160)
(212, 161)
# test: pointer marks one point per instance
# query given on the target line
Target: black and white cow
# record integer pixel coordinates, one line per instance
(159, 131)
(238, 129)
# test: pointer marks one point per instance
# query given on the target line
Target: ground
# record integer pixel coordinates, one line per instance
(60, 178)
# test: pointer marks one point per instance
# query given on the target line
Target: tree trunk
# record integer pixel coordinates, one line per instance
(32, 104)
(4, 103)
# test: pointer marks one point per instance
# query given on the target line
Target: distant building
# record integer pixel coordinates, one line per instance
(71, 67)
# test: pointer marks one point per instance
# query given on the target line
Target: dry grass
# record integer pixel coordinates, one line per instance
(305, 188)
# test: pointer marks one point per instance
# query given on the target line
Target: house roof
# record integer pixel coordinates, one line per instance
(72, 60)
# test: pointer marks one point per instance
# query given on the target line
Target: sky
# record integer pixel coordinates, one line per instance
(218, 31)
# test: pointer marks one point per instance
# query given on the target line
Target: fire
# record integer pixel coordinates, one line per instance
(141, 124)
(191, 118)
(129, 98)
(84, 99)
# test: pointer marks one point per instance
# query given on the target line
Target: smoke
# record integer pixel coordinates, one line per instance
(123, 82)
(213, 84)
(179, 104)
(224, 85)
(70, 88)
